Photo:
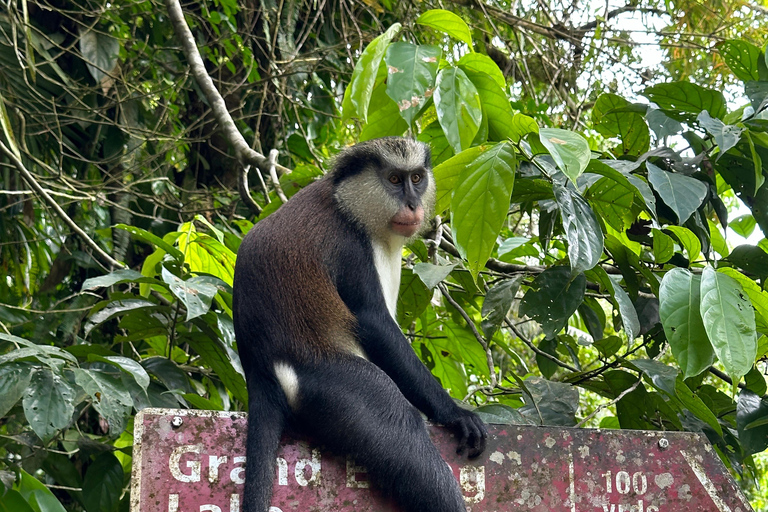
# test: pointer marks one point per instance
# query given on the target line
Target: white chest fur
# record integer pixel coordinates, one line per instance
(386, 258)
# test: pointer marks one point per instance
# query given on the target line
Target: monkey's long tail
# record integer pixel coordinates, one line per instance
(266, 419)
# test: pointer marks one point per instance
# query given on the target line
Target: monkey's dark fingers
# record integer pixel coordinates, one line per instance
(472, 434)
(478, 438)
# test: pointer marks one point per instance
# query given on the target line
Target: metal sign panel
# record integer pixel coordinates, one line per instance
(194, 461)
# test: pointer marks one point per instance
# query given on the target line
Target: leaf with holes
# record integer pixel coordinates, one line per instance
(411, 76)
(742, 57)
(48, 403)
(729, 321)
(108, 396)
(480, 203)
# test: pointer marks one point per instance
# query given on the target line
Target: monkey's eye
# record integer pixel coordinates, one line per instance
(415, 178)
(394, 179)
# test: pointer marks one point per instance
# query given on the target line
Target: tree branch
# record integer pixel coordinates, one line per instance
(243, 152)
(98, 251)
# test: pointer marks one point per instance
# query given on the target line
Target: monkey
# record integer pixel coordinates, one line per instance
(314, 307)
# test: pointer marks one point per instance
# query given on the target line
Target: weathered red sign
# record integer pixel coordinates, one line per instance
(194, 461)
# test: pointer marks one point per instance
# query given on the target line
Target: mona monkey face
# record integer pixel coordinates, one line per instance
(408, 187)
(387, 186)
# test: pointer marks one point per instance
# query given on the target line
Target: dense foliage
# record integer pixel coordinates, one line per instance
(582, 269)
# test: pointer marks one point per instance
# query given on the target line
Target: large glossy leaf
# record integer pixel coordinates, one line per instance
(458, 107)
(627, 312)
(119, 307)
(384, 117)
(496, 107)
(360, 88)
(431, 275)
(153, 239)
(434, 136)
(196, 294)
(569, 150)
(447, 173)
(681, 193)
(729, 321)
(37, 494)
(48, 403)
(117, 277)
(757, 296)
(108, 396)
(223, 360)
(103, 484)
(726, 136)
(741, 57)
(14, 380)
(411, 76)
(684, 100)
(613, 199)
(480, 203)
(679, 310)
(550, 403)
(688, 240)
(448, 22)
(694, 404)
(663, 246)
(413, 298)
(612, 119)
(553, 297)
(480, 63)
(582, 230)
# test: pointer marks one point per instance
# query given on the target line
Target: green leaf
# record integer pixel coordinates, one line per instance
(757, 296)
(553, 297)
(480, 63)
(496, 304)
(196, 294)
(48, 403)
(361, 84)
(223, 360)
(661, 124)
(582, 230)
(7, 127)
(496, 107)
(458, 106)
(153, 239)
(688, 240)
(569, 150)
(694, 404)
(550, 403)
(103, 484)
(108, 397)
(662, 376)
(749, 409)
(118, 307)
(117, 277)
(726, 135)
(480, 203)
(612, 120)
(729, 321)
(411, 76)
(43, 353)
(384, 118)
(612, 199)
(627, 311)
(413, 297)
(741, 57)
(663, 247)
(750, 258)
(126, 364)
(682, 98)
(499, 414)
(681, 193)
(447, 22)
(679, 310)
(431, 275)
(13, 501)
(434, 136)
(14, 380)
(37, 494)
(447, 173)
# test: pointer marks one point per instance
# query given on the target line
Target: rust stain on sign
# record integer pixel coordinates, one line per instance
(194, 461)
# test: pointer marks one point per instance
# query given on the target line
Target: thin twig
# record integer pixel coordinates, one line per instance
(105, 258)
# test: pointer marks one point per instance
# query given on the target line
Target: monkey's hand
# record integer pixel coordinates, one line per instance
(470, 430)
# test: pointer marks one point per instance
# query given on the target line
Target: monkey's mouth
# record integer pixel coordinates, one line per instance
(406, 229)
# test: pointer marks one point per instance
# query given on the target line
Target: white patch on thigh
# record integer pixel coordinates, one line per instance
(289, 381)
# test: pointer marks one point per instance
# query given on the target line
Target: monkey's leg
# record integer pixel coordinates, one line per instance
(354, 407)
(266, 418)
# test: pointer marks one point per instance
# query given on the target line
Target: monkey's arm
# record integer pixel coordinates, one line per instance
(387, 347)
